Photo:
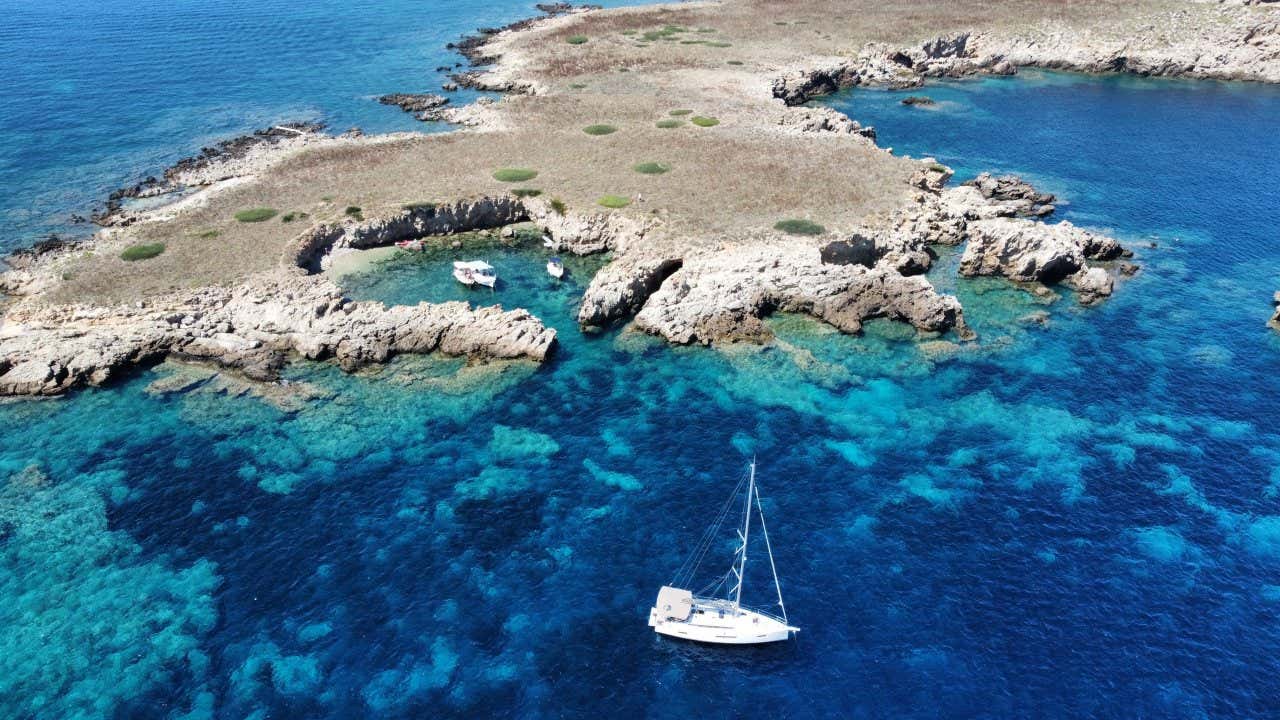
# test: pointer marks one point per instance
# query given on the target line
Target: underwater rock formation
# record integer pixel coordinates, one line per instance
(91, 624)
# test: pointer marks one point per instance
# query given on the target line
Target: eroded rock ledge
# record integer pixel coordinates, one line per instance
(50, 350)
(1234, 49)
(722, 294)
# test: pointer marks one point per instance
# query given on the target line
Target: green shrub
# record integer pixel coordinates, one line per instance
(668, 124)
(733, 62)
(706, 30)
(678, 113)
(711, 43)
(354, 211)
(651, 168)
(938, 167)
(287, 217)
(629, 32)
(145, 251)
(577, 86)
(418, 206)
(576, 39)
(526, 192)
(558, 206)
(208, 234)
(599, 129)
(614, 201)
(701, 121)
(796, 226)
(255, 215)
(514, 174)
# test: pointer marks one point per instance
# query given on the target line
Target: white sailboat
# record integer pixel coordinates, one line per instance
(680, 613)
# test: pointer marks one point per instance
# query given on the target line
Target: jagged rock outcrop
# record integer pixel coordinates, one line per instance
(820, 119)
(587, 233)
(424, 106)
(722, 296)
(1027, 251)
(1237, 49)
(50, 350)
(310, 249)
(621, 288)
(1015, 194)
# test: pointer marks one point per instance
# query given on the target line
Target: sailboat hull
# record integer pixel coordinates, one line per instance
(719, 623)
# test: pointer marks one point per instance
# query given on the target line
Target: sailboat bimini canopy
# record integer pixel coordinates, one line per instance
(674, 603)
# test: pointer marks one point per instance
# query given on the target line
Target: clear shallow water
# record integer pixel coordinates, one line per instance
(1079, 520)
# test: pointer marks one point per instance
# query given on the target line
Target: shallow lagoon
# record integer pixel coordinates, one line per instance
(1071, 520)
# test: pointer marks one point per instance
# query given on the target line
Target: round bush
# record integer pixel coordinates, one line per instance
(599, 129)
(651, 168)
(514, 174)
(576, 39)
(526, 192)
(614, 201)
(679, 113)
(668, 124)
(701, 121)
(795, 226)
(256, 215)
(142, 252)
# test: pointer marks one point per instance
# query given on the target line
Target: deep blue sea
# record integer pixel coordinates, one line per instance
(1073, 520)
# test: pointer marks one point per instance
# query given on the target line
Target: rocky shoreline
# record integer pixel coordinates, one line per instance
(251, 328)
(665, 279)
(223, 160)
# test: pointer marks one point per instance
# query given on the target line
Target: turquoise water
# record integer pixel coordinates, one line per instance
(1062, 521)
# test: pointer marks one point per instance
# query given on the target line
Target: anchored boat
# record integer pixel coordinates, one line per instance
(555, 268)
(707, 617)
(475, 272)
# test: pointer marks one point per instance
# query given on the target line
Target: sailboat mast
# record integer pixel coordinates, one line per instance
(746, 531)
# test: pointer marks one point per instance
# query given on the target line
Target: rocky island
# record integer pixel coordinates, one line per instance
(762, 203)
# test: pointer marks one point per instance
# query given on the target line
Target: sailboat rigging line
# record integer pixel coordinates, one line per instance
(768, 547)
(685, 574)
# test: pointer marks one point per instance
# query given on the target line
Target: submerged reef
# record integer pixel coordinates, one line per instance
(90, 626)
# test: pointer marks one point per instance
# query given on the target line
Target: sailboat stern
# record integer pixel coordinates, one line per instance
(714, 621)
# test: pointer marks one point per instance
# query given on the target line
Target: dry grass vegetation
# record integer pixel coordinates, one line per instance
(733, 184)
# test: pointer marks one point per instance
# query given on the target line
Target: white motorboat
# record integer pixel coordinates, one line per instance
(555, 268)
(706, 616)
(475, 272)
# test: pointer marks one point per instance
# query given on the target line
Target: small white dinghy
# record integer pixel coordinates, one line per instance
(475, 272)
(722, 620)
(555, 268)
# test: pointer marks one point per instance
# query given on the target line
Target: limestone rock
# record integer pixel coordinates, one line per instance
(1027, 251)
(621, 288)
(722, 296)
(50, 350)
(1014, 195)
